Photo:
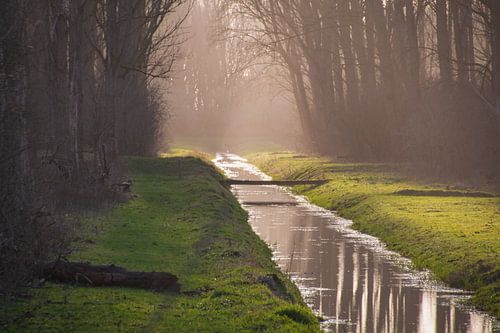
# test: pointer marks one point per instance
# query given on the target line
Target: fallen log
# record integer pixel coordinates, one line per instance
(270, 203)
(276, 182)
(110, 276)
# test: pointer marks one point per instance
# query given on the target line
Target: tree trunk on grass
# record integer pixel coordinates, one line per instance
(109, 276)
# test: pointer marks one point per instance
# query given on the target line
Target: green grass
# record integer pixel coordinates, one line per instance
(185, 223)
(457, 238)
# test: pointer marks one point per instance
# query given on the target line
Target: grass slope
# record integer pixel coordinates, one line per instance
(456, 237)
(185, 222)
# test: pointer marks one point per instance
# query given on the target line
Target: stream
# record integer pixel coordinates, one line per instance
(348, 278)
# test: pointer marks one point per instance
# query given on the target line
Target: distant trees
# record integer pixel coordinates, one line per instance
(397, 80)
(77, 90)
(214, 73)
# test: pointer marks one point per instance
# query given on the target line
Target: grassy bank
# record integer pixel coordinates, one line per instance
(183, 221)
(455, 235)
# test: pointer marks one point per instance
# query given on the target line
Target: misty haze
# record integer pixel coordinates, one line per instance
(250, 166)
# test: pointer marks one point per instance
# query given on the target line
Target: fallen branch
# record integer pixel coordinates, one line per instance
(111, 276)
(276, 182)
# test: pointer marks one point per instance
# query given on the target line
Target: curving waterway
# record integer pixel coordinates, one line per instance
(348, 278)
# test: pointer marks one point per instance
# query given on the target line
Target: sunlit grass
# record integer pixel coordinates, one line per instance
(184, 151)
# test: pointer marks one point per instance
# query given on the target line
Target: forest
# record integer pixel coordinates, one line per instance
(405, 81)
(78, 89)
(86, 84)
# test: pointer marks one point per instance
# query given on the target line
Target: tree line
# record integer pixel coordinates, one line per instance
(78, 89)
(413, 81)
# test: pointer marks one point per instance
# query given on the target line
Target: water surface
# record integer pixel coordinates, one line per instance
(347, 277)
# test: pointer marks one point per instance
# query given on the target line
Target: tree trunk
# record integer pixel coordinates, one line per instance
(351, 76)
(299, 90)
(75, 83)
(391, 118)
(109, 276)
(443, 40)
(89, 114)
(315, 48)
(111, 65)
(469, 45)
(364, 50)
(384, 48)
(494, 6)
(421, 38)
(413, 51)
(399, 42)
(58, 79)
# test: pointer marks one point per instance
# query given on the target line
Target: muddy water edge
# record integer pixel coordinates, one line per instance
(348, 278)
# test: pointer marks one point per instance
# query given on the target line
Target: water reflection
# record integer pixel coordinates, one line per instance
(346, 277)
(428, 309)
